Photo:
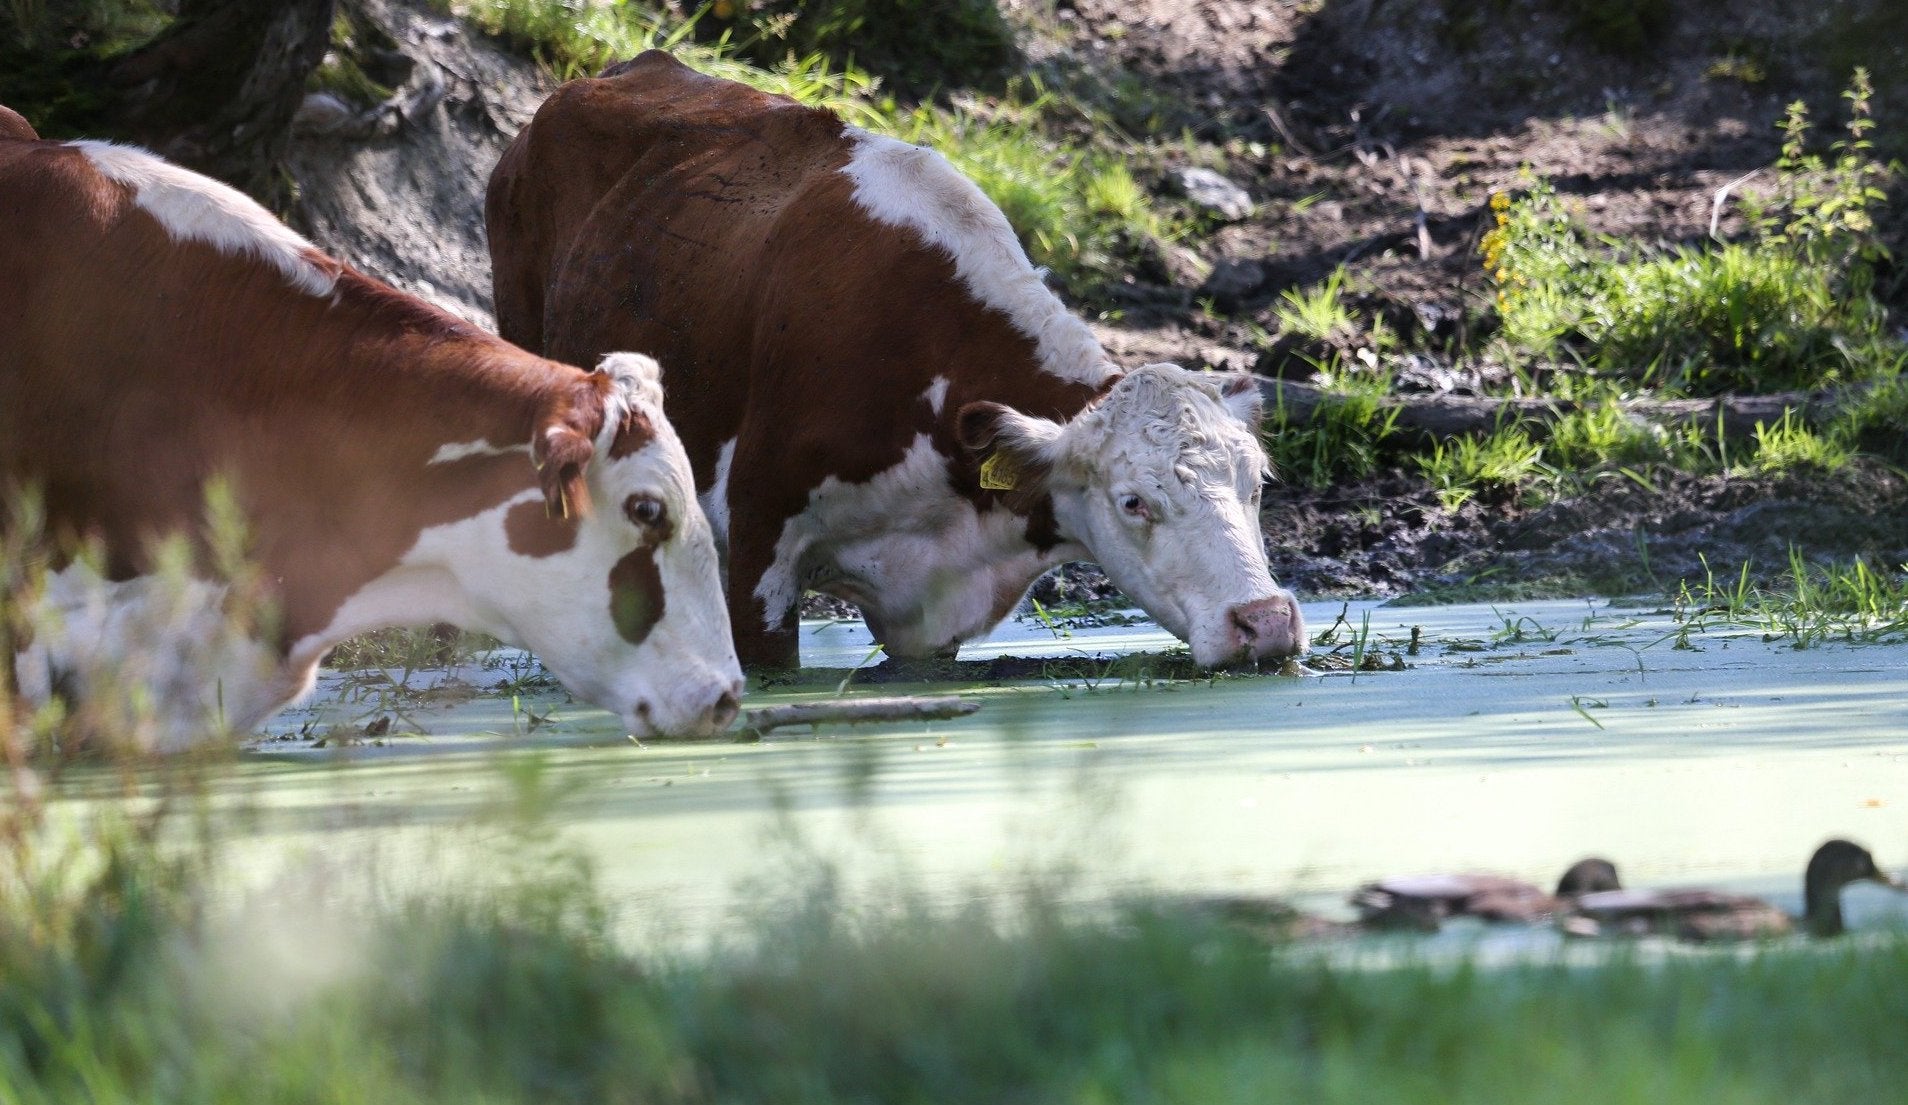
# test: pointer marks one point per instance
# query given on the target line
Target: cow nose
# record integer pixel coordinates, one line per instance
(727, 705)
(1269, 627)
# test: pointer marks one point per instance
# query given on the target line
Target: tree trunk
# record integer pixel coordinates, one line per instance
(216, 90)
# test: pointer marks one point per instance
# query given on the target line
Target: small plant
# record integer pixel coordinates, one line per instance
(1789, 446)
(1791, 307)
(1462, 467)
(556, 32)
(1046, 619)
(1521, 629)
(1320, 314)
(1344, 439)
(1806, 605)
(408, 650)
(1823, 207)
(1535, 255)
(1604, 434)
(1875, 420)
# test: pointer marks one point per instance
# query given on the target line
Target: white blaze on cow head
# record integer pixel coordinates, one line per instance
(1159, 481)
(610, 574)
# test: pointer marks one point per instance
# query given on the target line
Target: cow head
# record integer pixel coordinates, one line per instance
(1159, 481)
(612, 577)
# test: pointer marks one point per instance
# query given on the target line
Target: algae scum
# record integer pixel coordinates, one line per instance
(1516, 739)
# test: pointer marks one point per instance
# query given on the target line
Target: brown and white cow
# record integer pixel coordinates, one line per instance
(395, 465)
(881, 397)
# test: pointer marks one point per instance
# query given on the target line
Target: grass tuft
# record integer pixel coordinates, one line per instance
(1807, 604)
(1463, 467)
(1346, 437)
(1791, 307)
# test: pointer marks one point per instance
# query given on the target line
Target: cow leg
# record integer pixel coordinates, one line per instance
(764, 619)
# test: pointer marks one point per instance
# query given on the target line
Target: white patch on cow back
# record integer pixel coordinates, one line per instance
(936, 395)
(715, 501)
(907, 549)
(455, 451)
(916, 187)
(191, 207)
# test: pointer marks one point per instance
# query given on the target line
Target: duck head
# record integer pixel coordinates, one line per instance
(1833, 866)
(1588, 876)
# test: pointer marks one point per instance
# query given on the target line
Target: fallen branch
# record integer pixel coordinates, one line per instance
(855, 711)
(1427, 418)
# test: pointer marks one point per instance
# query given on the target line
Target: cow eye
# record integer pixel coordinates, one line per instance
(645, 511)
(1135, 506)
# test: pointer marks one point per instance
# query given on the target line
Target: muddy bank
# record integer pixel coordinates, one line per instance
(1391, 536)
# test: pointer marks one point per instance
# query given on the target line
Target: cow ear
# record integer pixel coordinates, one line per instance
(564, 443)
(562, 455)
(1241, 395)
(1017, 452)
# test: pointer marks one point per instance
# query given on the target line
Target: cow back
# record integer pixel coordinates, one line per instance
(713, 226)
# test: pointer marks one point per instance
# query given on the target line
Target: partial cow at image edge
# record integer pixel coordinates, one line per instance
(390, 463)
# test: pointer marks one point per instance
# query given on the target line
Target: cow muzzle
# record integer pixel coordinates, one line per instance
(1270, 628)
(705, 714)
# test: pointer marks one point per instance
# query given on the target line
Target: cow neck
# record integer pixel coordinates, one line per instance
(413, 420)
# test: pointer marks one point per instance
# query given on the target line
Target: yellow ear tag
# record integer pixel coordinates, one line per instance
(999, 472)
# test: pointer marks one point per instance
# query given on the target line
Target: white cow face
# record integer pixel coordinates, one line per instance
(1159, 481)
(611, 578)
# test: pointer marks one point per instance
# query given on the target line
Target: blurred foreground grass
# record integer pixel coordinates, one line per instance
(130, 973)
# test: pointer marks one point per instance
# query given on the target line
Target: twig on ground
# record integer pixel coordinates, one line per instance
(856, 711)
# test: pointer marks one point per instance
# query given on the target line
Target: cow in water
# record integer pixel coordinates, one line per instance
(880, 396)
(394, 464)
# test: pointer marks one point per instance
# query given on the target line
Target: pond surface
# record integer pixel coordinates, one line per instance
(1518, 738)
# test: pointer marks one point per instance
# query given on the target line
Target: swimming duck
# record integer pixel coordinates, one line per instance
(1703, 914)
(1424, 902)
(1418, 902)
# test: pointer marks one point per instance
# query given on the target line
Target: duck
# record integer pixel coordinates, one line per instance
(1418, 902)
(1425, 902)
(1702, 915)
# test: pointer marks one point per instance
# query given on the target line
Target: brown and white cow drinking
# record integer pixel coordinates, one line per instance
(881, 397)
(395, 465)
